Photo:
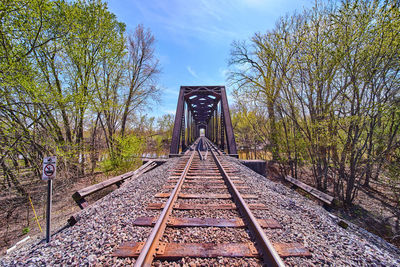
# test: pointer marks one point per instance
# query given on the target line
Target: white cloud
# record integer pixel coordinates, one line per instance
(192, 72)
(209, 20)
(201, 19)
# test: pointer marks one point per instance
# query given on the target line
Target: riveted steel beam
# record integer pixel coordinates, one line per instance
(203, 112)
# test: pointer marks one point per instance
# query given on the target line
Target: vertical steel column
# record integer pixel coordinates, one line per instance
(228, 128)
(192, 135)
(183, 129)
(216, 125)
(174, 149)
(209, 130)
(194, 130)
(188, 125)
(222, 146)
(212, 127)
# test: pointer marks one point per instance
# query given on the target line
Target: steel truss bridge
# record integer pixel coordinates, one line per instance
(203, 109)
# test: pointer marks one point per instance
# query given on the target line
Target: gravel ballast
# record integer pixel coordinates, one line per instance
(107, 223)
(101, 227)
(306, 222)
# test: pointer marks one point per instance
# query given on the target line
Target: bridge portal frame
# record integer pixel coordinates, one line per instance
(201, 106)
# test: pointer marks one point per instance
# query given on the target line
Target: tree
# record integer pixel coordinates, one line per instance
(142, 73)
(25, 26)
(67, 67)
(329, 80)
(258, 70)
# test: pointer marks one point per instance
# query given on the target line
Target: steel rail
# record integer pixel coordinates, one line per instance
(269, 254)
(207, 148)
(150, 247)
(192, 147)
(212, 145)
(198, 148)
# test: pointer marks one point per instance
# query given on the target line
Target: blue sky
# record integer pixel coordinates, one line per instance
(193, 37)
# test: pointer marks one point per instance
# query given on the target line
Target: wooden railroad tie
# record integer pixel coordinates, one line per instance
(205, 222)
(202, 181)
(183, 206)
(215, 196)
(205, 186)
(169, 251)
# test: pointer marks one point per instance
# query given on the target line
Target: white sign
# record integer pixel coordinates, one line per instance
(49, 168)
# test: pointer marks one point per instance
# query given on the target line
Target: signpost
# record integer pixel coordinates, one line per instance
(49, 173)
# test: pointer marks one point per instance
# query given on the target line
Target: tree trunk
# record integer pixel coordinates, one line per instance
(274, 133)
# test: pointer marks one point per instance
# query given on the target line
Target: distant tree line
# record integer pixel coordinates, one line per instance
(73, 83)
(321, 89)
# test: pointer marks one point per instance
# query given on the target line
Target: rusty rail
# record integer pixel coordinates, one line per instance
(150, 247)
(269, 254)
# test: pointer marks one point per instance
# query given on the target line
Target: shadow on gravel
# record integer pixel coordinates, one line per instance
(370, 222)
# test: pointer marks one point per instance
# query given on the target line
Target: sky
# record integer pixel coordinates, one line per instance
(194, 37)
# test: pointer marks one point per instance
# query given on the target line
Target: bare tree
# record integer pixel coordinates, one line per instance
(143, 69)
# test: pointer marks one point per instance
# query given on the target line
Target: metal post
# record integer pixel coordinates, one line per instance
(227, 126)
(212, 127)
(183, 129)
(48, 215)
(215, 126)
(178, 124)
(216, 123)
(193, 125)
(187, 125)
(222, 131)
(191, 128)
(208, 127)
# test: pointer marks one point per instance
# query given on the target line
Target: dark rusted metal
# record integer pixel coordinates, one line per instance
(209, 195)
(205, 186)
(183, 129)
(269, 254)
(291, 250)
(183, 206)
(195, 176)
(170, 251)
(202, 181)
(177, 125)
(202, 112)
(148, 252)
(206, 222)
(230, 137)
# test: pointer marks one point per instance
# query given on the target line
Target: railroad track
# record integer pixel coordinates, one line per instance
(207, 204)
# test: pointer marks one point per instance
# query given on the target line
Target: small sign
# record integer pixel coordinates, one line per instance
(49, 168)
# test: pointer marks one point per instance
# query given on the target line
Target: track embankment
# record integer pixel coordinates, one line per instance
(108, 223)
